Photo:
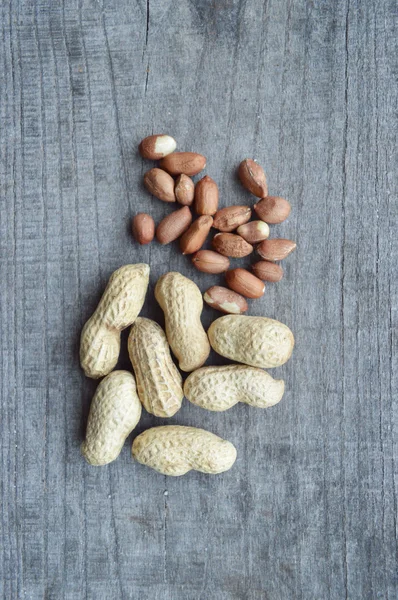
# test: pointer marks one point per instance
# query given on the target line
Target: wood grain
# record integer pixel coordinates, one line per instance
(310, 90)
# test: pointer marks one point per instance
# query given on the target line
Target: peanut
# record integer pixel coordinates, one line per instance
(225, 300)
(273, 209)
(173, 225)
(267, 271)
(157, 146)
(175, 450)
(143, 227)
(206, 196)
(229, 218)
(253, 232)
(194, 238)
(188, 163)
(184, 190)
(160, 184)
(182, 304)
(159, 382)
(253, 178)
(114, 412)
(276, 249)
(220, 388)
(230, 244)
(208, 261)
(254, 341)
(243, 282)
(118, 308)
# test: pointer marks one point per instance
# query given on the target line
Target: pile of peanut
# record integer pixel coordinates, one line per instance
(203, 198)
(252, 343)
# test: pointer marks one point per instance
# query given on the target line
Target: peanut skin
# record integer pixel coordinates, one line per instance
(175, 450)
(118, 308)
(182, 304)
(254, 341)
(159, 382)
(220, 388)
(114, 412)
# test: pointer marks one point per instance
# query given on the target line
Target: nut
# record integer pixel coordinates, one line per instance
(276, 249)
(182, 304)
(208, 261)
(195, 237)
(273, 209)
(188, 163)
(267, 271)
(254, 341)
(220, 388)
(245, 283)
(206, 196)
(159, 382)
(114, 412)
(173, 225)
(184, 190)
(143, 227)
(230, 244)
(175, 450)
(254, 232)
(154, 147)
(118, 308)
(229, 218)
(225, 300)
(253, 177)
(160, 184)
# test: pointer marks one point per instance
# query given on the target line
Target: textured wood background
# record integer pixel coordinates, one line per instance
(309, 88)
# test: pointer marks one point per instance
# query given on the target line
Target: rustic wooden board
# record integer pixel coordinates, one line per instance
(310, 90)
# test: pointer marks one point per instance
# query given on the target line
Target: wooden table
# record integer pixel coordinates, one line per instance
(310, 90)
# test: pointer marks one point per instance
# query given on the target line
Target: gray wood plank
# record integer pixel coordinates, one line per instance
(310, 90)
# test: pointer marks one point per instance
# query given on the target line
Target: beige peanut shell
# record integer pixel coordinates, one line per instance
(254, 341)
(114, 412)
(182, 304)
(159, 382)
(175, 450)
(220, 388)
(118, 308)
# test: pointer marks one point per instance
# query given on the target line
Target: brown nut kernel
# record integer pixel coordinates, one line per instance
(184, 190)
(273, 209)
(208, 261)
(253, 178)
(206, 196)
(189, 163)
(229, 218)
(195, 237)
(254, 232)
(174, 225)
(245, 283)
(157, 146)
(276, 249)
(230, 244)
(143, 227)
(160, 184)
(267, 271)
(225, 300)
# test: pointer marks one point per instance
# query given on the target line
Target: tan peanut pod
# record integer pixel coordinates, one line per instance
(175, 450)
(159, 382)
(114, 412)
(254, 341)
(182, 304)
(220, 388)
(118, 308)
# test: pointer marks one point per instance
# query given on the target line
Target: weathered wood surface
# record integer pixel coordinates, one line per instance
(310, 90)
